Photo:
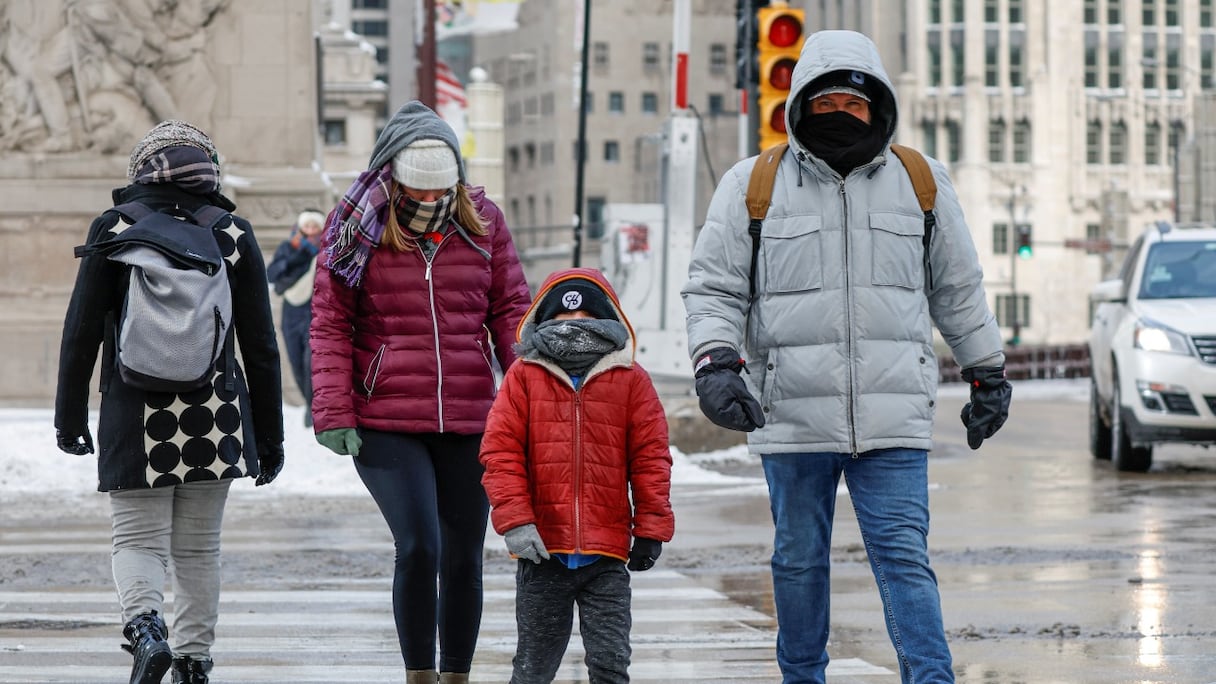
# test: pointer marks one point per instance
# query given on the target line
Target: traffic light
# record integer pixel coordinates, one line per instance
(1025, 248)
(745, 42)
(779, 37)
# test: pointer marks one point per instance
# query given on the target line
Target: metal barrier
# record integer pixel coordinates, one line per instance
(1031, 363)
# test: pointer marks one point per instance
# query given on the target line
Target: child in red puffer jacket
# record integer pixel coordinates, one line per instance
(577, 468)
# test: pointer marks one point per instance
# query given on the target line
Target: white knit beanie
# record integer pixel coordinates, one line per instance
(310, 216)
(427, 164)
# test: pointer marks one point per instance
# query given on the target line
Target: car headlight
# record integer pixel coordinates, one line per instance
(1153, 336)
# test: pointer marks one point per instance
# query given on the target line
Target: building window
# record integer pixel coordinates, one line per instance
(1021, 142)
(369, 4)
(1118, 143)
(1173, 63)
(530, 154)
(595, 216)
(1093, 143)
(612, 152)
(991, 12)
(1148, 13)
(929, 131)
(616, 102)
(992, 44)
(1017, 66)
(335, 131)
(650, 103)
(957, 62)
(371, 29)
(1006, 315)
(1000, 238)
(935, 11)
(1149, 60)
(1114, 12)
(650, 56)
(599, 53)
(996, 141)
(953, 141)
(1171, 12)
(513, 159)
(935, 58)
(1114, 60)
(1152, 144)
(716, 104)
(1090, 11)
(1206, 13)
(1091, 59)
(717, 59)
(1015, 11)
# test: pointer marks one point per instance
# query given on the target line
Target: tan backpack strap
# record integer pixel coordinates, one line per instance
(760, 184)
(759, 196)
(922, 177)
(926, 194)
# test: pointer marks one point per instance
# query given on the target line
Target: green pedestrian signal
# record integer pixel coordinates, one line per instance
(1025, 248)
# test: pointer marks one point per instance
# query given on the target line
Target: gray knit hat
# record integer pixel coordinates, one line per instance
(169, 134)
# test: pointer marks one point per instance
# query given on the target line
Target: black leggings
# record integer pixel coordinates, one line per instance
(428, 487)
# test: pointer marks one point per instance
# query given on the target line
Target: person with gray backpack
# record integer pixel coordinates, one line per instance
(169, 282)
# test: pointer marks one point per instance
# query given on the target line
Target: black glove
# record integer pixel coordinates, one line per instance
(75, 442)
(270, 461)
(989, 405)
(645, 552)
(723, 394)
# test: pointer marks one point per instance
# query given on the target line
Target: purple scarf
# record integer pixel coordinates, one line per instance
(357, 223)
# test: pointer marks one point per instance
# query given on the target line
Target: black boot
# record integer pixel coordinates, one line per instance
(187, 670)
(146, 633)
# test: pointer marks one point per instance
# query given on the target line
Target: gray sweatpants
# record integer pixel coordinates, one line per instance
(183, 523)
(545, 596)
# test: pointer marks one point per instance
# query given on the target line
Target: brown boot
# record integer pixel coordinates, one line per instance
(453, 678)
(421, 677)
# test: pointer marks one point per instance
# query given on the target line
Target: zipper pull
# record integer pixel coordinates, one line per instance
(428, 270)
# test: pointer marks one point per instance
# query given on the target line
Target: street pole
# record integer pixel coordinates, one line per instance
(1016, 316)
(1177, 136)
(426, 56)
(580, 170)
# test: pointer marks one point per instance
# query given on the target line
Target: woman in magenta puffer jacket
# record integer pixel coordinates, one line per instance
(418, 291)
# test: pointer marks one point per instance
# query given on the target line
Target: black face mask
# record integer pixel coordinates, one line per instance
(840, 139)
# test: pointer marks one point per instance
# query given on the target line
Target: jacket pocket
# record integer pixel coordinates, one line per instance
(793, 254)
(373, 371)
(897, 244)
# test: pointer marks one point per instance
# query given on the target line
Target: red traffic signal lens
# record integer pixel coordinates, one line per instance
(781, 75)
(784, 30)
(776, 119)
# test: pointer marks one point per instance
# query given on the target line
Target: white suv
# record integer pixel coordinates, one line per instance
(1152, 348)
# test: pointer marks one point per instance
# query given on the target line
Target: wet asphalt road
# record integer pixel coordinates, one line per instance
(1053, 568)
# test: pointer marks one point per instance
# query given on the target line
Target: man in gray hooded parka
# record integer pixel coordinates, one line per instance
(839, 331)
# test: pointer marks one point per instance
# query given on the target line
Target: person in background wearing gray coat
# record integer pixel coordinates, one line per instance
(839, 334)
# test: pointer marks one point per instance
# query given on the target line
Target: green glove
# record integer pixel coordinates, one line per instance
(341, 441)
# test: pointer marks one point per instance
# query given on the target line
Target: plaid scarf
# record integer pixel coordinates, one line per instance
(357, 223)
(186, 166)
(425, 217)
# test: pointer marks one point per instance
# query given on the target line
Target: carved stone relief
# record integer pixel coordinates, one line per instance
(93, 75)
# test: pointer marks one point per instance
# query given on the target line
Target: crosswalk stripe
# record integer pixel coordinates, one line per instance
(683, 632)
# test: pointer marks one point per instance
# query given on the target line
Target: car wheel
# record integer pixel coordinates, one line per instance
(1099, 433)
(1127, 458)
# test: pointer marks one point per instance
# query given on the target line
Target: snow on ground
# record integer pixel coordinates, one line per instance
(30, 463)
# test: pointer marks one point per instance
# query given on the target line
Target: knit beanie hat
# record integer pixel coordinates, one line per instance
(573, 295)
(169, 134)
(427, 164)
(311, 216)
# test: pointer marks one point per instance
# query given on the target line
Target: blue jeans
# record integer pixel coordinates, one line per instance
(890, 494)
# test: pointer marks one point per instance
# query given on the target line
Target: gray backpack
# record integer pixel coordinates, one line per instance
(175, 319)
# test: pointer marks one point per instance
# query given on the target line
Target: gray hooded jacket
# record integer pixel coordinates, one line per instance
(839, 340)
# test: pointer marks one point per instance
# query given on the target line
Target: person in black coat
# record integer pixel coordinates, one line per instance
(167, 459)
(292, 270)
